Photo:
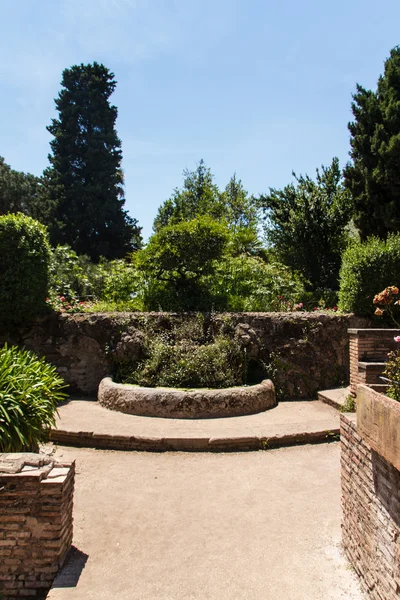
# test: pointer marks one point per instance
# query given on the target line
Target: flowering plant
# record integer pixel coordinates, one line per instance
(386, 299)
(68, 305)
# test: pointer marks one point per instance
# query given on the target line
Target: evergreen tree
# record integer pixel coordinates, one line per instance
(198, 196)
(306, 223)
(373, 177)
(85, 182)
(19, 192)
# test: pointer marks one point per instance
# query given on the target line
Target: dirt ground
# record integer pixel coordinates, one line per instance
(182, 526)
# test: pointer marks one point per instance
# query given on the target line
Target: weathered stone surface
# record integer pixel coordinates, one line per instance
(378, 422)
(186, 404)
(15, 462)
(301, 352)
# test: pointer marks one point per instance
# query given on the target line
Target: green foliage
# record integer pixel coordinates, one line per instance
(349, 405)
(75, 276)
(306, 223)
(122, 282)
(190, 355)
(250, 284)
(373, 177)
(176, 261)
(368, 267)
(199, 196)
(392, 372)
(85, 181)
(20, 192)
(24, 262)
(30, 390)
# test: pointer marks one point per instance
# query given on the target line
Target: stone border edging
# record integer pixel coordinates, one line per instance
(101, 441)
(186, 404)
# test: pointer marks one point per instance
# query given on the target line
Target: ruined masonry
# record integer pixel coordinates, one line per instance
(36, 496)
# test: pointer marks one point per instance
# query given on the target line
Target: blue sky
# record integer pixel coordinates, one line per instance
(255, 87)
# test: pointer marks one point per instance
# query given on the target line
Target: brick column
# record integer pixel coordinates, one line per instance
(36, 497)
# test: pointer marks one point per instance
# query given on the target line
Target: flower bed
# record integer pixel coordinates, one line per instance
(186, 404)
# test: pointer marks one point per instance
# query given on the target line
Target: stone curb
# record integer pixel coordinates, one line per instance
(102, 441)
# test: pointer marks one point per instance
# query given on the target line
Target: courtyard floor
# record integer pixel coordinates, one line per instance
(204, 526)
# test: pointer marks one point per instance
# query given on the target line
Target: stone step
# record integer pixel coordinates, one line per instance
(88, 424)
(335, 397)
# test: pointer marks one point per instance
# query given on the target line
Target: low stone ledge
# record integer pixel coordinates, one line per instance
(186, 404)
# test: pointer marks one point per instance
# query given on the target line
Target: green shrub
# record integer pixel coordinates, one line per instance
(30, 390)
(251, 284)
(190, 355)
(121, 282)
(177, 262)
(75, 277)
(392, 373)
(24, 263)
(367, 268)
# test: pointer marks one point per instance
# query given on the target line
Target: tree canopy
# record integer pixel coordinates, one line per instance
(18, 192)
(84, 182)
(178, 258)
(373, 176)
(305, 222)
(200, 196)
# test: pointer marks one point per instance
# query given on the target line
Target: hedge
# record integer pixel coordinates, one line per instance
(367, 268)
(24, 264)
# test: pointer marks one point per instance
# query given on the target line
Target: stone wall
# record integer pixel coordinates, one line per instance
(371, 514)
(301, 352)
(36, 498)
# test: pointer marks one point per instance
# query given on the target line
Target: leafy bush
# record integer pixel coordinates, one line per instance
(122, 282)
(24, 262)
(30, 390)
(76, 277)
(176, 262)
(367, 267)
(190, 355)
(250, 284)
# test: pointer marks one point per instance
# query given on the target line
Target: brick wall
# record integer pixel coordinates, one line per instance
(371, 514)
(368, 345)
(35, 523)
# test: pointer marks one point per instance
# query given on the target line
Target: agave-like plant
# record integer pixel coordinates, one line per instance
(30, 390)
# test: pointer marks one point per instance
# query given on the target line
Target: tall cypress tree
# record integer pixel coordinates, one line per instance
(373, 176)
(84, 183)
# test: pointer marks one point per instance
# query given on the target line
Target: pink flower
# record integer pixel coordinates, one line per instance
(397, 339)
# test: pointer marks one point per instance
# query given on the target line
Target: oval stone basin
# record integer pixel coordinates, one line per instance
(186, 404)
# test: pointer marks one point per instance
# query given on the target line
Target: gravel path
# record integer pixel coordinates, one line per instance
(179, 526)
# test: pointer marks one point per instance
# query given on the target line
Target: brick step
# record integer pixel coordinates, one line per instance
(370, 372)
